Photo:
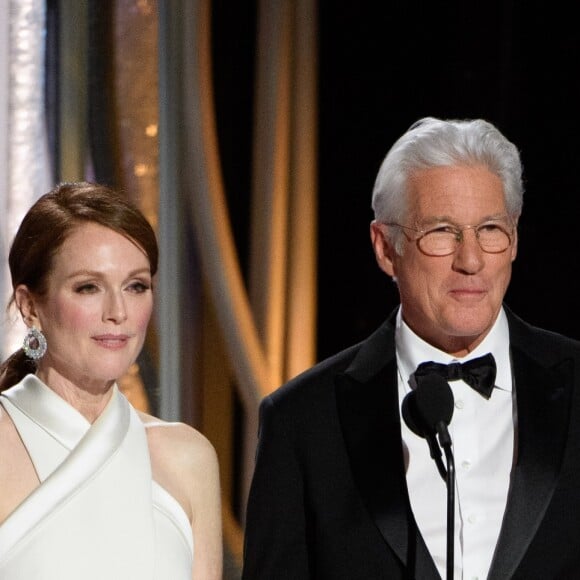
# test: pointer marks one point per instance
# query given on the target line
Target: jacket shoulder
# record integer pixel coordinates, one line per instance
(361, 361)
(540, 343)
(319, 377)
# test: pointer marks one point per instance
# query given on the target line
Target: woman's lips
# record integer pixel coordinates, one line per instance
(111, 341)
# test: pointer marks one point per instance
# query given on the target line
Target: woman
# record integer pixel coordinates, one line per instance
(91, 488)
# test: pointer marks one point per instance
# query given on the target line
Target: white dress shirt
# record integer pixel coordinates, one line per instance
(482, 431)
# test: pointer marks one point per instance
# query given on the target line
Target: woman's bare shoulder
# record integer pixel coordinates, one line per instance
(185, 463)
(178, 441)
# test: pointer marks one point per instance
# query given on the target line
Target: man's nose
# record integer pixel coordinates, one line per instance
(469, 255)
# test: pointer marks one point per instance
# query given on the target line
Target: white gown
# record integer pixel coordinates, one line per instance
(97, 514)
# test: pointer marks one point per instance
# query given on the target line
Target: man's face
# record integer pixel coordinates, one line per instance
(450, 301)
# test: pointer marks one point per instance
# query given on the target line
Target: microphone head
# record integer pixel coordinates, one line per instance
(411, 415)
(427, 405)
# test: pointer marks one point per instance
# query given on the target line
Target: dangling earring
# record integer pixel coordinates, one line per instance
(34, 345)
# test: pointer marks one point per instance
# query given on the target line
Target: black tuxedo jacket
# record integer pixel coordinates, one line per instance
(329, 497)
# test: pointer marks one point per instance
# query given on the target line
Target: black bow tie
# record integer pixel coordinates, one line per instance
(478, 373)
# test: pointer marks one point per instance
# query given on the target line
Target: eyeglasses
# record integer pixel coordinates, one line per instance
(493, 236)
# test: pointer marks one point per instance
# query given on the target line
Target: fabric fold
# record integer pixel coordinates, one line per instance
(93, 515)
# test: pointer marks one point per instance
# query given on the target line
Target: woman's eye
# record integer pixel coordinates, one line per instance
(139, 287)
(86, 289)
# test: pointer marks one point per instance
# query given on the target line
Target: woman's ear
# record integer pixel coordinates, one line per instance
(384, 250)
(26, 304)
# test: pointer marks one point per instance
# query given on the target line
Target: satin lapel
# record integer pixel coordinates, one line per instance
(543, 403)
(48, 426)
(105, 435)
(367, 402)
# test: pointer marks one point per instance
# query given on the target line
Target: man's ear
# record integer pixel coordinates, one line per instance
(514, 248)
(384, 250)
(26, 304)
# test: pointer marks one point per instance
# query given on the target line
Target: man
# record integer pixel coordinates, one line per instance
(344, 487)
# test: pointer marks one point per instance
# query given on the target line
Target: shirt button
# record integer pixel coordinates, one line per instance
(459, 404)
(466, 464)
(472, 519)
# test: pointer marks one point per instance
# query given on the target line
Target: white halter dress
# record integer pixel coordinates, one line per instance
(97, 513)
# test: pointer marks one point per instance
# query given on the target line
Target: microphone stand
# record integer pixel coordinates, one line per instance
(445, 442)
(427, 410)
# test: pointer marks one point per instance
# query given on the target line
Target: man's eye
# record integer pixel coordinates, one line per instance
(489, 228)
(443, 229)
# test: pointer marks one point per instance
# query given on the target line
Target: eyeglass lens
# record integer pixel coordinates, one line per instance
(439, 242)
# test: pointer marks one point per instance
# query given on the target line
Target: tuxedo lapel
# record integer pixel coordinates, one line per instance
(367, 400)
(367, 403)
(543, 400)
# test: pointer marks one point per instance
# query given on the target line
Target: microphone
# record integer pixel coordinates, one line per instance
(430, 404)
(427, 410)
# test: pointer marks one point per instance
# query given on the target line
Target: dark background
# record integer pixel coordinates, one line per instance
(381, 67)
(384, 66)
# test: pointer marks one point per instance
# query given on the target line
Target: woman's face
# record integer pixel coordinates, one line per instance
(95, 312)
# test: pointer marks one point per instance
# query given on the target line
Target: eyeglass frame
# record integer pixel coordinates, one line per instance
(458, 231)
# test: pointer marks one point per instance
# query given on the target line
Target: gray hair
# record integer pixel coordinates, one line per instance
(432, 142)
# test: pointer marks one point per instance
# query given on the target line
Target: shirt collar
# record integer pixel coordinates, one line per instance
(413, 350)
